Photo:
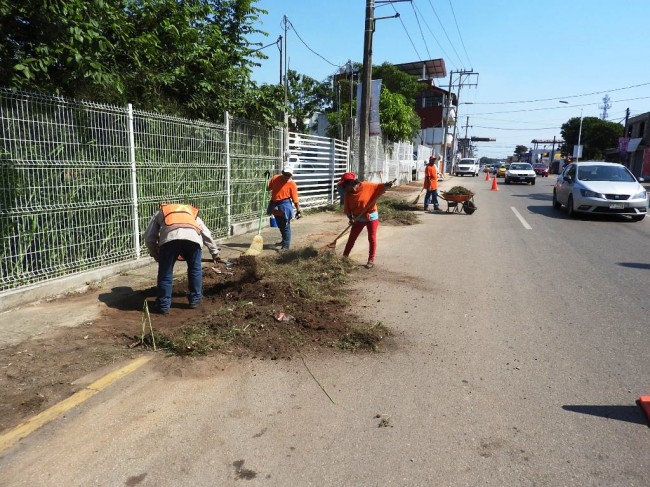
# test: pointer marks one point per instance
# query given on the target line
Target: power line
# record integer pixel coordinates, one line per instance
(305, 44)
(459, 34)
(561, 97)
(499, 128)
(407, 32)
(445, 31)
(560, 107)
(421, 33)
(434, 37)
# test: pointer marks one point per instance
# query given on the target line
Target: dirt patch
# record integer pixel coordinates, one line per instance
(270, 308)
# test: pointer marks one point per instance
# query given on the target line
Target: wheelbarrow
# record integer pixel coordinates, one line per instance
(457, 203)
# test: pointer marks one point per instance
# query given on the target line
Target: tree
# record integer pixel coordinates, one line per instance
(305, 97)
(597, 136)
(190, 58)
(397, 118)
(520, 150)
(398, 81)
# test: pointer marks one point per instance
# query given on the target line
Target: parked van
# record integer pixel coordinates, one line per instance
(467, 165)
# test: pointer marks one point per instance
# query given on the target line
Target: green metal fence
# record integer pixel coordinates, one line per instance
(79, 181)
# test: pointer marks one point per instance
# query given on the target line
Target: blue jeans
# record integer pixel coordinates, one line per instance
(191, 252)
(431, 196)
(284, 225)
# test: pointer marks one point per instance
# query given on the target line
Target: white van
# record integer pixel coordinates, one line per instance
(467, 165)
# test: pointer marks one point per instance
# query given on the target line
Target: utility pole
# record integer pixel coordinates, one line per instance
(365, 88)
(366, 83)
(466, 144)
(605, 106)
(461, 73)
(285, 138)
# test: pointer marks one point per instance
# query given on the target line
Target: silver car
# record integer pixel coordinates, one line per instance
(603, 188)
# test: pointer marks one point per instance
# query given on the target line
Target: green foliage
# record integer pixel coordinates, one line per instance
(189, 58)
(398, 81)
(397, 117)
(520, 149)
(305, 96)
(597, 136)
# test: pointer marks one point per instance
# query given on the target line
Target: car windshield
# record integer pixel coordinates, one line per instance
(604, 173)
(520, 167)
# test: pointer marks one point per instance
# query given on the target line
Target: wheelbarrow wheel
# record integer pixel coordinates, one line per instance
(469, 207)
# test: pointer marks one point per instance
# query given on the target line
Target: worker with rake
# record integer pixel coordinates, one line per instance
(176, 232)
(284, 193)
(431, 185)
(360, 205)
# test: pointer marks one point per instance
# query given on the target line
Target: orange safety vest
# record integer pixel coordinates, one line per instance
(181, 216)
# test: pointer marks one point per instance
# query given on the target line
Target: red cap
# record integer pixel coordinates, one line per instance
(348, 176)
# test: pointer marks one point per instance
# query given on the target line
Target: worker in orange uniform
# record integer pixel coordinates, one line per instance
(177, 231)
(284, 193)
(358, 196)
(431, 184)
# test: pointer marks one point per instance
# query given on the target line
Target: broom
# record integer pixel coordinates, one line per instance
(417, 198)
(257, 245)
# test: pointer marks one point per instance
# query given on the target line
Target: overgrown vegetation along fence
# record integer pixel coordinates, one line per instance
(79, 181)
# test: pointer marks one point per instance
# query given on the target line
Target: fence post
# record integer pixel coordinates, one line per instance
(228, 206)
(134, 185)
(332, 169)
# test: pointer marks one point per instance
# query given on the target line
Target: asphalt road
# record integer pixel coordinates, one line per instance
(522, 343)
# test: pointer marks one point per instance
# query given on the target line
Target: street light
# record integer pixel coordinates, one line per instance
(579, 133)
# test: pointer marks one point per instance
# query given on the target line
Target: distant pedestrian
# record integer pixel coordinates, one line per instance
(360, 205)
(177, 231)
(431, 185)
(284, 193)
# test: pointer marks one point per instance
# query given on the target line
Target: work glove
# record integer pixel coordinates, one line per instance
(215, 258)
(298, 215)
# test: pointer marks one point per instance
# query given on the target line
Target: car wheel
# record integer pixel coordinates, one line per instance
(637, 218)
(532, 183)
(569, 207)
(556, 204)
(507, 181)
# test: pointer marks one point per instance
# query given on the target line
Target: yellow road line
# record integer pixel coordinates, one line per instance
(27, 427)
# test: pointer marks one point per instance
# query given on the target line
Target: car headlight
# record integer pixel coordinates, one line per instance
(642, 196)
(591, 194)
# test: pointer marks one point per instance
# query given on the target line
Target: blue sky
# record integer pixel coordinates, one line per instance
(523, 50)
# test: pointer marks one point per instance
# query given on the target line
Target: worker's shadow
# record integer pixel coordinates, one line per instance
(125, 298)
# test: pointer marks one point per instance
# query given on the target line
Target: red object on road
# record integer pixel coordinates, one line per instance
(644, 404)
(495, 186)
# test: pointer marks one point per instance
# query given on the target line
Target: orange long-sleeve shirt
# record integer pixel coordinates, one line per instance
(356, 201)
(281, 189)
(430, 177)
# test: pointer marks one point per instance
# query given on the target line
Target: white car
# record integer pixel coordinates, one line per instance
(603, 188)
(520, 172)
(467, 165)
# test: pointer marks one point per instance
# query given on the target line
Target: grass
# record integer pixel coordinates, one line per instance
(295, 282)
(362, 337)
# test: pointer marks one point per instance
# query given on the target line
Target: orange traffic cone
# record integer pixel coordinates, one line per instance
(644, 404)
(487, 175)
(495, 186)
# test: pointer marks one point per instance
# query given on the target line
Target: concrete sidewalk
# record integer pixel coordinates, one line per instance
(81, 299)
